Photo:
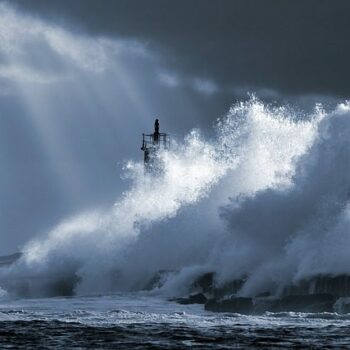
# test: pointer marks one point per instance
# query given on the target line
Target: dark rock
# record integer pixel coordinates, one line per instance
(323, 284)
(157, 280)
(291, 303)
(263, 304)
(193, 299)
(205, 282)
(42, 286)
(305, 303)
(263, 295)
(236, 305)
(227, 289)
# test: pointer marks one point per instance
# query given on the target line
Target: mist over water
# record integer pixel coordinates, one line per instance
(267, 199)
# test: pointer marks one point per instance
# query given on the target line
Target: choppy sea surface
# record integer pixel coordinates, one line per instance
(138, 321)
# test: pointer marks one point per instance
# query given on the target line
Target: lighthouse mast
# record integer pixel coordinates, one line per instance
(151, 144)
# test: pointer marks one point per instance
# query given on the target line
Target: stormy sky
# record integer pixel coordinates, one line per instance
(291, 47)
(80, 80)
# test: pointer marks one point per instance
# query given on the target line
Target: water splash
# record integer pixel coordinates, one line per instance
(265, 198)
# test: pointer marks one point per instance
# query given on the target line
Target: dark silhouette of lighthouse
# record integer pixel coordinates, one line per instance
(151, 144)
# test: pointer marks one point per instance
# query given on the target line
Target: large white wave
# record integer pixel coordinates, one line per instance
(267, 199)
(282, 235)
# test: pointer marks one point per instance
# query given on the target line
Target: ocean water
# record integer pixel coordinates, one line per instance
(140, 321)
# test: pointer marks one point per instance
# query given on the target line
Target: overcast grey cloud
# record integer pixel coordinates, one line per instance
(293, 47)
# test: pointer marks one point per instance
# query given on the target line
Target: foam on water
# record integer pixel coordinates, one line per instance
(136, 308)
(119, 320)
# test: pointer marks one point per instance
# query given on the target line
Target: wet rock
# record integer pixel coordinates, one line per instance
(305, 303)
(205, 282)
(263, 295)
(236, 305)
(263, 304)
(193, 299)
(43, 286)
(322, 284)
(157, 280)
(291, 303)
(228, 289)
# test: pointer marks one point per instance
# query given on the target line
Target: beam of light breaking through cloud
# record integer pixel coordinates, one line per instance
(79, 95)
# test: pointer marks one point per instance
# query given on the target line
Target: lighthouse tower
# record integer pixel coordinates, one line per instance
(151, 144)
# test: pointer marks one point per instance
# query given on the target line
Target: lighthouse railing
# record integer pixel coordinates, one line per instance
(149, 141)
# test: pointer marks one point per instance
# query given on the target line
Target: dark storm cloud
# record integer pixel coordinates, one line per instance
(294, 47)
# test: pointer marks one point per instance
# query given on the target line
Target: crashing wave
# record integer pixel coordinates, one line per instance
(266, 200)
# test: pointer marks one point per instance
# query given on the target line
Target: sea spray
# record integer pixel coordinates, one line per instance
(282, 235)
(211, 210)
(90, 247)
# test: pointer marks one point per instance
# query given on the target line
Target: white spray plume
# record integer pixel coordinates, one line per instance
(267, 198)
